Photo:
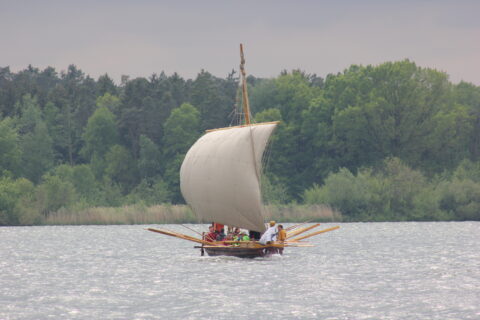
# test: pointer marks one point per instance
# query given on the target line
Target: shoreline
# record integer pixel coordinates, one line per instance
(140, 214)
(176, 214)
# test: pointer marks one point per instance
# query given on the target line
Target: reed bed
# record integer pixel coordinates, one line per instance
(300, 213)
(135, 214)
(171, 214)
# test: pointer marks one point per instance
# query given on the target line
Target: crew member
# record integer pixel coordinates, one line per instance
(270, 234)
(282, 233)
(211, 235)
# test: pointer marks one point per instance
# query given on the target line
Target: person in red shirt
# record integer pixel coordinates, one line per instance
(211, 235)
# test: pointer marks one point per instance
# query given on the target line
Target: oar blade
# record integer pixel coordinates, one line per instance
(315, 233)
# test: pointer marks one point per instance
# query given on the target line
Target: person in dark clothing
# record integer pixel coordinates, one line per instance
(254, 235)
(221, 235)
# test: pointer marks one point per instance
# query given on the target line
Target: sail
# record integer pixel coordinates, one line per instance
(220, 176)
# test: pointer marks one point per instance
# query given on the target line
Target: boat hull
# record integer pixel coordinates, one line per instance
(242, 252)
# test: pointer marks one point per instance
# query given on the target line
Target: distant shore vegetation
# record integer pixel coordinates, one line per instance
(171, 214)
(393, 142)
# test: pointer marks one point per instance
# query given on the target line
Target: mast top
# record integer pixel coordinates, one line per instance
(246, 104)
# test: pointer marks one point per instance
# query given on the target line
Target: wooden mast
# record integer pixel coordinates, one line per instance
(246, 104)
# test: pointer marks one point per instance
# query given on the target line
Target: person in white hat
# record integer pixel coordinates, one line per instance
(270, 234)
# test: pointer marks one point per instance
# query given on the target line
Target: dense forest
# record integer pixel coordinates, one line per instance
(388, 142)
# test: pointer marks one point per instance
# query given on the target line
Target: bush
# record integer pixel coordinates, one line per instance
(394, 192)
(402, 184)
(426, 206)
(343, 191)
(150, 193)
(54, 193)
(461, 198)
(468, 170)
(14, 194)
(274, 191)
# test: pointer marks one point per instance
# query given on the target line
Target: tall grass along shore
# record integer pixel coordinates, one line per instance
(170, 214)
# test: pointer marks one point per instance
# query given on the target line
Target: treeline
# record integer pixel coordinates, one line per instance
(395, 192)
(387, 142)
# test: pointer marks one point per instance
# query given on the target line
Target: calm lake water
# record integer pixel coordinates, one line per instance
(361, 271)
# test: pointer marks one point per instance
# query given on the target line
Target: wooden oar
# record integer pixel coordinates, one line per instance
(302, 230)
(208, 244)
(175, 234)
(282, 244)
(299, 245)
(315, 233)
(181, 236)
(297, 225)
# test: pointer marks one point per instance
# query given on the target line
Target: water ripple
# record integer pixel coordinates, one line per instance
(362, 271)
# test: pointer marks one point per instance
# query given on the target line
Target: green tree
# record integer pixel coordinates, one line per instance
(30, 114)
(294, 93)
(181, 131)
(111, 193)
(9, 145)
(109, 101)
(106, 85)
(274, 191)
(149, 162)
(100, 133)
(53, 121)
(7, 88)
(82, 179)
(263, 95)
(53, 193)
(26, 209)
(385, 111)
(344, 191)
(37, 153)
(11, 194)
(461, 198)
(211, 100)
(268, 115)
(150, 193)
(318, 148)
(182, 128)
(290, 96)
(468, 95)
(143, 111)
(35, 141)
(172, 177)
(121, 167)
(61, 120)
(402, 184)
(468, 170)
(74, 95)
(450, 139)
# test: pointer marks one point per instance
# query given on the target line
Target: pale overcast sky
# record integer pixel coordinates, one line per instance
(138, 38)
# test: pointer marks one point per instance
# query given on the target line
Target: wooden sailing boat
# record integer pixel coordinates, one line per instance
(220, 180)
